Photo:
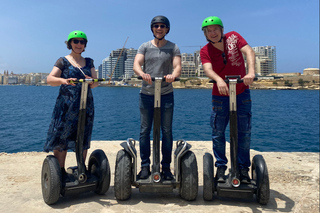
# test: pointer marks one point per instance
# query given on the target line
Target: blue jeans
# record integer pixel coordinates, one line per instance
(219, 120)
(146, 119)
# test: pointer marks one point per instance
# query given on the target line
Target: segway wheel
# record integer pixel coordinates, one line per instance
(51, 180)
(189, 177)
(123, 176)
(208, 177)
(100, 167)
(260, 175)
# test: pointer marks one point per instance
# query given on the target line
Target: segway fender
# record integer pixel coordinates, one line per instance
(260, 167)
(182, 148)
(129, 146)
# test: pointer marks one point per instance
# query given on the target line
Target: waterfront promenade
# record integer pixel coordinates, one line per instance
(294, 186)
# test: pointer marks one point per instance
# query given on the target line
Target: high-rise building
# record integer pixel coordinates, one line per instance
(113, 66)
(118, 67)
(266, 60)
(128, 64)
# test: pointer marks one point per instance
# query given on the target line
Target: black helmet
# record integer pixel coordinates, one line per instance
(160, 19)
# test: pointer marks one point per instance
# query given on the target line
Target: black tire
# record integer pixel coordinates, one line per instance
(208, 177)
(100, 167)
(260, 175)
(123, 176)
(51, 180)
(189, 176)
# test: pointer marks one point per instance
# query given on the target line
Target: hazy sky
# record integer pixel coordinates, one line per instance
(32, 32)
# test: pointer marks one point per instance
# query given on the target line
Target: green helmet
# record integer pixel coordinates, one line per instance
(211, 20)
(77, 34)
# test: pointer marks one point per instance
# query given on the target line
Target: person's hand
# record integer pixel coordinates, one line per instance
(147, 78)
(88, 77)
(91, 84)
(222, 87)
(248, 79)
(69, 81)
(169, 78)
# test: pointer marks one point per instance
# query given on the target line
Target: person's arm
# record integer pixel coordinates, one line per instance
(176, 69)
(54, 78)
(251, 61)
(222, 86)
(138, 62)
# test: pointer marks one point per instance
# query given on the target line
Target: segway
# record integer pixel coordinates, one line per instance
(232, 187)
(96, 178)
(185, 163)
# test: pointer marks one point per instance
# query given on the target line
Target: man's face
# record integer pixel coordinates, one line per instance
(214, 32)
(159, 30)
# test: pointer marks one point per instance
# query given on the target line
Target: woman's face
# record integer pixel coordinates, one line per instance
(78, 45)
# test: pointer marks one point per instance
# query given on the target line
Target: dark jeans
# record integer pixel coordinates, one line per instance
(146, 118)
(219, 121)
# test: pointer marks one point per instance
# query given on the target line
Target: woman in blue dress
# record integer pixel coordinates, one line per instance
(62, 131)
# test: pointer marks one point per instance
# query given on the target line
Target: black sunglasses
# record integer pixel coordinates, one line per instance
(157, 25)
(77, 41)
(224, 58)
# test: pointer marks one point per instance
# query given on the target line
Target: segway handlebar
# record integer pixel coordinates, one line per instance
(88, 80)
(239, 80)
(163, 78)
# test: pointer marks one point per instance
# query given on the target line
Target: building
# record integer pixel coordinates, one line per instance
(118, 65)
(128, 64)
(188, 67)
(311, 71)
(191, 66)
(266, 60)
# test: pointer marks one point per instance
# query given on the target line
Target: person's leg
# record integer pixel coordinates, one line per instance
(167, 105)
(219, 120)
(244, 133)
(146, 118)
(85, 155)
(61, 157)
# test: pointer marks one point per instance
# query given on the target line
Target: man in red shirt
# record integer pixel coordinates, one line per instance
(222, 56)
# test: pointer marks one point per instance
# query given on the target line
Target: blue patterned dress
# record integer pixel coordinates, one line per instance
(62, 133)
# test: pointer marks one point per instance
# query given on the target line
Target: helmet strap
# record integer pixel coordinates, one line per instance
(215, 42)
(158, 38)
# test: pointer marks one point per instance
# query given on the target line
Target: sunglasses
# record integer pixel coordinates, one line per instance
(75, 41)
(161, 26)
(224, 58)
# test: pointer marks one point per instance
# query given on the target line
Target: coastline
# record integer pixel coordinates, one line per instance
(294, 186)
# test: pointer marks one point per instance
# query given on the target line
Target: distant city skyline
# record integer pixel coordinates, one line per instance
(119, 63)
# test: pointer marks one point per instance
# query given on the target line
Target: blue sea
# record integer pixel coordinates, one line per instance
(283, 120)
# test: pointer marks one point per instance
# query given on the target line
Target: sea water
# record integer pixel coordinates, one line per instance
(283, 120)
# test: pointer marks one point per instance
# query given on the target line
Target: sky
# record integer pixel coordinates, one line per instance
(33, 32)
